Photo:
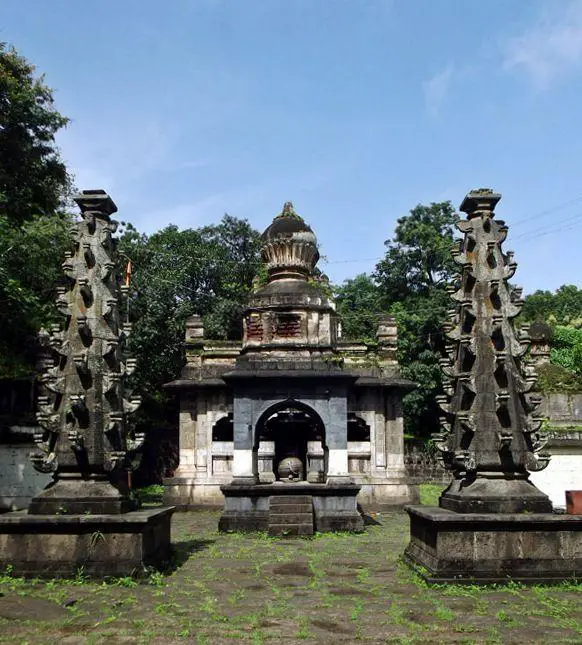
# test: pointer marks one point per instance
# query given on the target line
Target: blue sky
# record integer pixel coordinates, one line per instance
(356, 110)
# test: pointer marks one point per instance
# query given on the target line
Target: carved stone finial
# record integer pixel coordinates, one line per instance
(290, 247)
(479, 200)
(97, 201)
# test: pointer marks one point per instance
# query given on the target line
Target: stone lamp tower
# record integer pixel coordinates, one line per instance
(83, 412)
(85, 439)
(490, 436)
(492, 522)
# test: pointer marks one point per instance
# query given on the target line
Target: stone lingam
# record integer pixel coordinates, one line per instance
(492, 523)
(87, 517)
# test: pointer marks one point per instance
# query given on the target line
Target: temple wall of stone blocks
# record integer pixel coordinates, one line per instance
(375, 462)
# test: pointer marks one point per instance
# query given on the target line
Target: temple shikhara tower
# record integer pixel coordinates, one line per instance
(492, 522)
(292, 409)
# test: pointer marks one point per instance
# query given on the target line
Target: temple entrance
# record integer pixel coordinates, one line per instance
(294, 437)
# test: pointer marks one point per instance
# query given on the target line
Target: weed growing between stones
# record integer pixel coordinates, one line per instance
(255, 589)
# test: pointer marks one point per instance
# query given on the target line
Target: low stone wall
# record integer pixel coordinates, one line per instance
(19, 482)
(422, 466)
(564, 429)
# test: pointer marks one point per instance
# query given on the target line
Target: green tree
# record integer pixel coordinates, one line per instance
(567, 349)
(358, 302)
(206, 271)
(34, 227)
(412, 278)
(562, 307)
(33, 178)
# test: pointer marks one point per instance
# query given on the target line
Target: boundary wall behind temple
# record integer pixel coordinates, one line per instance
(564, 429)
(19, 482)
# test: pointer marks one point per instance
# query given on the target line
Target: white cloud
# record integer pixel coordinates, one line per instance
(437, 88)
(551, 47)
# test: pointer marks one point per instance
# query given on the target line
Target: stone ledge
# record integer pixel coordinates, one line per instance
(449, 547)
(102, 545)
(299, 488)
(497, 520)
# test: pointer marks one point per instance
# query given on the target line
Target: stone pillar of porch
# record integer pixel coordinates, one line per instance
(245, 459)
(336, 438)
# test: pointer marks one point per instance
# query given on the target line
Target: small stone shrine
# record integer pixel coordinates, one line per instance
(289, 427)
(87, 517)
(492, 522)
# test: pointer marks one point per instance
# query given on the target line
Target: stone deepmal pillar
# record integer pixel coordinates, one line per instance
(84, 404)
(490, 436)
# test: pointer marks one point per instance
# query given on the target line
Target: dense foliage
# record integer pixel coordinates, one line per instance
(34, 229)
(177, 273)
(412, 278)
(358, 304)
(562, 310)
(409, 283)
(562, 307)
(567, 349)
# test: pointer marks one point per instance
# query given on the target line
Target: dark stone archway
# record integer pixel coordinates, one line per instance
(297, 432)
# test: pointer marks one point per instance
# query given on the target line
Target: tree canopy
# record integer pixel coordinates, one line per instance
(177, 273)
(33, 178)
(412, 279)
(562, 307)
(34, 227)
(358, 304)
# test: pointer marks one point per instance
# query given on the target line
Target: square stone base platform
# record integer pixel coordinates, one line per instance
(489, 548)
(246, 506)
(100, 545)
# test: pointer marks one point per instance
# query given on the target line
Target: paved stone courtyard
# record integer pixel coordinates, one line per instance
(227, 588)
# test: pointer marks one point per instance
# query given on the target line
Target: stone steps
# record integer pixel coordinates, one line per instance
(290, 515)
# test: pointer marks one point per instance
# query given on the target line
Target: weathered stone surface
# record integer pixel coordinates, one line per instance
(81, 519)
(490, 437)
(493, 523)
(84, 402)
(292, 389)
(291, 515)
(494, 547)
(247, 506)
(28, 608)
(103, 545)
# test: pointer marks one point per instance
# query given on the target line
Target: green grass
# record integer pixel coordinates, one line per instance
(334, 588)
(430, 493)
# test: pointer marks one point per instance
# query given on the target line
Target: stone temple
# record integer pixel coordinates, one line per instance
(292, 404)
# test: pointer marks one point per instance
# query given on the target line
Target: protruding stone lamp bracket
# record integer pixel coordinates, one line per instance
(536, 462)
(110, 309)
(107, 269)
(88, 255)
(68, 266)
(63, 301)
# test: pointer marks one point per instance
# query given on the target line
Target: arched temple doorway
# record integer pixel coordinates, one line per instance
(290, 443)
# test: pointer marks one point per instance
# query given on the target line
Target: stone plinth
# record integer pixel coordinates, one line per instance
(494, 547)
(75, 496)
(100, 545)
(246, 506)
